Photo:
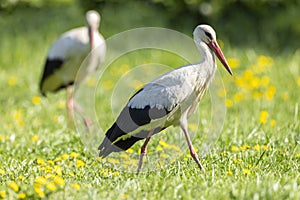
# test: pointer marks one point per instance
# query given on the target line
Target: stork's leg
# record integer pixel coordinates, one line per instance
(144, 150)
(192, 150)
(72, 105)
(70, 102)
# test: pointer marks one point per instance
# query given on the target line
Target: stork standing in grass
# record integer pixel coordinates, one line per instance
(66, 56)
(167, 100)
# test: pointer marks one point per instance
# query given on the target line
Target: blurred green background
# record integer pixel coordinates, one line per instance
(271, 25)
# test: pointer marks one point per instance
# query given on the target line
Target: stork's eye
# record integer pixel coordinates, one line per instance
(208, 35)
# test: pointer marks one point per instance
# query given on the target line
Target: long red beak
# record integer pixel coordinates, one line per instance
(215, 47)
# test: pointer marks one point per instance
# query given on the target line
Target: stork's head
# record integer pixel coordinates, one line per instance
(205, 33)
(93, 19)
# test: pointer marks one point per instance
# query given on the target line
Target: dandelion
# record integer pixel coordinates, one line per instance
(40, 161)
(298, 81)
(65, 156)
(163, 155)
(228, 103)
(264, 81)
(247, 171)
(37, 188)
(88, 185)
(91, 81)
(51, 186)
(61, 104)
(298, 155)
(76, 186)
(58, 170)
(34, 138)
(2, 194)
(59, 181)
(40, 180)
(12, 81)
(50, 162)
(256, 147)
(21, 177)
(273, 122)
(108, 85)
(263, 117)
(257, 95)
(125, 196)
(238, 97)
(14, 186)
(233, 63)
(36, 100)
(270, 93)
(264, 61)
(124, 68)
(192, 126)
(110, 160)
(58, 159)
(22, 196)
(159, 148)
(2, 171)
(71, 174)
(73, 155)
(79, 163)
(265, 147)
(244, 147)
(234, 148)
(130, 150)
(229, 173)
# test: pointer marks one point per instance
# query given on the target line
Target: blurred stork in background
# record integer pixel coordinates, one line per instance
(84, 45)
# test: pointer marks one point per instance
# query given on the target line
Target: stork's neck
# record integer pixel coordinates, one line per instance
(208, 60)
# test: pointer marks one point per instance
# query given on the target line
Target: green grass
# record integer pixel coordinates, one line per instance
(250, 160)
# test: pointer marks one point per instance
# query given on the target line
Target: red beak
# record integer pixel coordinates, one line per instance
(215, 47)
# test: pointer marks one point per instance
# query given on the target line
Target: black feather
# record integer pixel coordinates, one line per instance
(51, 66)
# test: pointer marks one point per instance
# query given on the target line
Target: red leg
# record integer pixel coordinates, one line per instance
(144, 151)
(192, 150)
(70, 102)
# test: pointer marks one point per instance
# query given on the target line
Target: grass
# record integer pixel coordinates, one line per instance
(257, 156)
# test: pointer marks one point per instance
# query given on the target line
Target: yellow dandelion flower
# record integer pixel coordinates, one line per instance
(228, 103)
(254, 83)
(285, 96)
(264, 81)
(50, 162)
(263, 117)
(17, 115)
(229, 173)
(298, 81)
(39, 190)
(238, 97)
(88, 185)
(125, 196)
(159, 148)
(73, 155)
(270, 92)
(71, 174)
(36, 100)
(256, 147)
(112, 161)
(244, 147)
(221, 93)
(298, 155)
(21, 177)
(65, 156)
(193, 126)
(273, 122)
(164, 144)
(247, 171)
(34, 138)
(58, 159)
(14, 186)
(234, 148)
(79, 163)
(233, 63)
(265, 147)
(58, 170)
(40, 180)
(2, 194)
(22, 196)
(61, 104)
(2, 171)
(108, 85)
(76, 186)
(264, 61)
(130, 150)
(12, 81)
(124, 68)
(59, 181)
(51, 186)
(90, 81)
(163, 155)
(257, 95)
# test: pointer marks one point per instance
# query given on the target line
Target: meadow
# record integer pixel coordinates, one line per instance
(256, 156)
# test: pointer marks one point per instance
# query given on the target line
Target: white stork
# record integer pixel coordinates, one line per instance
(66, 56)
(167, 100)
